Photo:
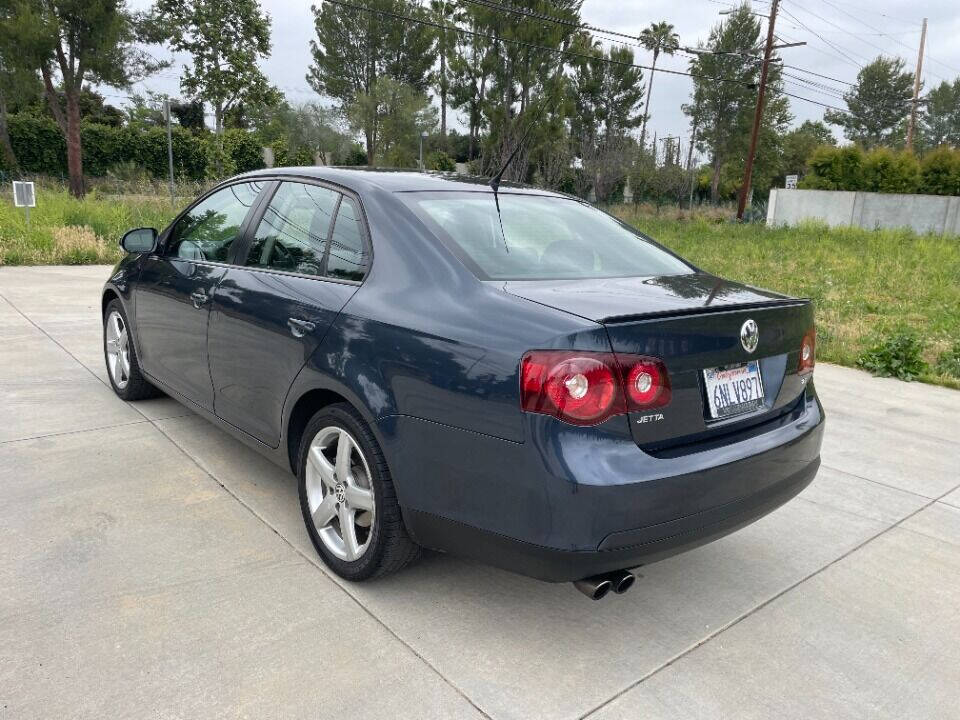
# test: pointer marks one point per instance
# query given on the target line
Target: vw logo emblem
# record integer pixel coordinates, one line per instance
(749, 336)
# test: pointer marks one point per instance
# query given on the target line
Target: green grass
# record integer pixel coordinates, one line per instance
(866, 285)
(66, 231)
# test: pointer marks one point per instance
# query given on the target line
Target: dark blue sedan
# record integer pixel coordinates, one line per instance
(511, 376)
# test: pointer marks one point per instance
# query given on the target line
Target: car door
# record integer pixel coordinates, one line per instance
(270, 315)
(176, 284)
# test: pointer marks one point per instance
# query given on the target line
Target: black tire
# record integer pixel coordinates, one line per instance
(137, 387)
(390, 547)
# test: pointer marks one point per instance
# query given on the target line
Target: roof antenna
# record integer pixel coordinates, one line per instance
(495, 182)
(498, 176)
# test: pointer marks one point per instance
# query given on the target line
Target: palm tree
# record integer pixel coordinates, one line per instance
(658, 38)
(443, 12)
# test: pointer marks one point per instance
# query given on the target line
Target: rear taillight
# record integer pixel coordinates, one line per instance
(586, 388)
(808, 353)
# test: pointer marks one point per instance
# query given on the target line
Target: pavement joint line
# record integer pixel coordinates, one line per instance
(848, 513)
(86, 430)
(765, 603)
(925, 435)
(255, 514)
(914, 531)
(875, 482)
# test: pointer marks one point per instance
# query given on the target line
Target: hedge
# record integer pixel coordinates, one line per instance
(41, 149)
(883, 170)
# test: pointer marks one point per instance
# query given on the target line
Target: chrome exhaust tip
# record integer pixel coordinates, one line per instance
(622, 580)
(595, 588)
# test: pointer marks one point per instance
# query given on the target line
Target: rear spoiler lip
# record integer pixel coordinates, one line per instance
(703, 310)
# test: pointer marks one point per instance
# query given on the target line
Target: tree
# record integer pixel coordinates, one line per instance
(396, 114)
(442, 12)
(226, 39)
(79, 41)
(940, 120)
(605, 91)
(799, 144)
(145, 110)
(355, 48)
(469, 67)
(724, 96)
(303, 130)
(877, 105)
(189, 114)
(657, 38)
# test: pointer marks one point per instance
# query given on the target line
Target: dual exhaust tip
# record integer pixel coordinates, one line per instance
(599, 586)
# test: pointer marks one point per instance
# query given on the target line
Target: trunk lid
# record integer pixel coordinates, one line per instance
(607, 299)
(693, 323)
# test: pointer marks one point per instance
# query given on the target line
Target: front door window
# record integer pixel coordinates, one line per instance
(208, 230)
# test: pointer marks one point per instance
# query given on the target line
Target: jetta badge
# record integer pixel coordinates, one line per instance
(749, 336)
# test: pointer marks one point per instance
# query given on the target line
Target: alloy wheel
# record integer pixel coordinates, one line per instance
(340, 493)
(118, 349)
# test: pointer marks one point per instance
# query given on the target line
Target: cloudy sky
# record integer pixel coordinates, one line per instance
(841, 36)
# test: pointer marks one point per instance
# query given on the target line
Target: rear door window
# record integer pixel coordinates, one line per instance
(537, 237)
(208, 230)
(347, 256)
(292, 235)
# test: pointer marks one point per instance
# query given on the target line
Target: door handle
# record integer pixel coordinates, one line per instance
(199, 299)
(299, 328)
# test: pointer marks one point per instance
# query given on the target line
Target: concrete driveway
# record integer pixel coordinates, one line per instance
(152, 567)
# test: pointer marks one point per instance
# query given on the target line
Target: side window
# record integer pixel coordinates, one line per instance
(292, 235)
(208, 230)
(348, 256)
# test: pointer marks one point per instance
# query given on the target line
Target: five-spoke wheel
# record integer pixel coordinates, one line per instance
(347, 496)
(339, 493)
(123, 366)
(117, 341)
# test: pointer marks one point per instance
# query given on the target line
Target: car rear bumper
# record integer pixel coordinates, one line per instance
(621, 509)
(622, 550)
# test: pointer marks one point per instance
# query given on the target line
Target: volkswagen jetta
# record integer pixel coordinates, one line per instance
(510, 375)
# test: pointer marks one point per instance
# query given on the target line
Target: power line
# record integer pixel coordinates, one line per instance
(903, 44)
(824, 40)
(882, 50)
(543, 48)
(816, 74)
(877, 12)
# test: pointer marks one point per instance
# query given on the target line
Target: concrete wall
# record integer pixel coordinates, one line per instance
(922, 213)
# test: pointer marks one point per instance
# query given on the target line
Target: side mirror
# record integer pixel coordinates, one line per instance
(141, 240)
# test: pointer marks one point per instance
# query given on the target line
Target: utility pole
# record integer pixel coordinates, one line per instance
(916, 88)
(758, 115)
(693, 177)
(668, 153)
(166, 108)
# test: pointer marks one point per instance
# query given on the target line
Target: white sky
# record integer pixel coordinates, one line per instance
(851, 32)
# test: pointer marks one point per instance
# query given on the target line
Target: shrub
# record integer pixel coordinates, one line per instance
(38, 144)
(355, 155)
(244, 150)
(833, 168)
(400, 157)
(898, 355)
(439, 160)
(948, 362)
(41, 149)
(886, 171)
(129, 173)
(940, 172)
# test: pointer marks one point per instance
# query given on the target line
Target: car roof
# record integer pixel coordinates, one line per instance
(360, 178)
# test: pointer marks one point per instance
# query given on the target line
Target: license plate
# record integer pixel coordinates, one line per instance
(733, 389)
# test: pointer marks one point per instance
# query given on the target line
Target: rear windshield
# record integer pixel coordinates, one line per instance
(543, 238)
